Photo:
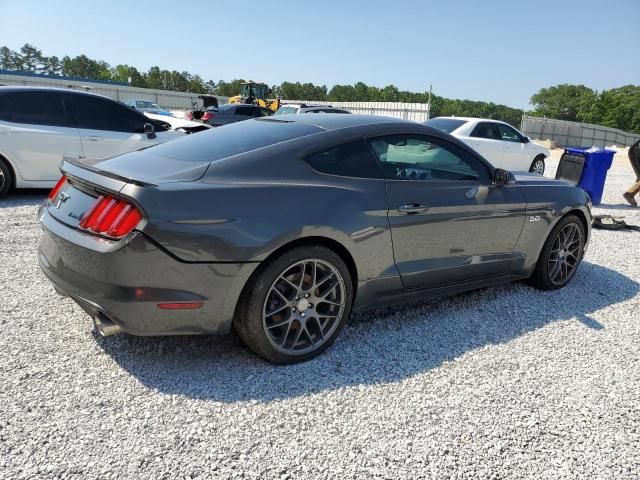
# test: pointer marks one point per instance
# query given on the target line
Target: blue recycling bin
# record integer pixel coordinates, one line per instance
(594, 173)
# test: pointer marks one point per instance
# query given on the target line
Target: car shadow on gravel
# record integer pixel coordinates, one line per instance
(24, 198)
(379, 346)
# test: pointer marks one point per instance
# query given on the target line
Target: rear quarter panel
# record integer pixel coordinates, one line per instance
(238, 216)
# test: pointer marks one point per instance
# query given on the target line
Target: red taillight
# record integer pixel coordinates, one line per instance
(206, 116)
(111, 216)
(188, 115)
(54, 191)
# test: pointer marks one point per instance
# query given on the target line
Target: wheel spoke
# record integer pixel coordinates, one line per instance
(280, 324)
(330, 302)
(278, 310)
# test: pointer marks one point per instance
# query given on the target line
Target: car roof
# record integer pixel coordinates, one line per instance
(17, 88)
(335, 121)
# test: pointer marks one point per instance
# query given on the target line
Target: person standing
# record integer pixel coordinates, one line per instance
(634, 158)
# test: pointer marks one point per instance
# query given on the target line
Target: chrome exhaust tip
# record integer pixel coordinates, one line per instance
(105, 326)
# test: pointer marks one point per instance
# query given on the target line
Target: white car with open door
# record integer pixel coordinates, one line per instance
(38, 126)
(500, 143)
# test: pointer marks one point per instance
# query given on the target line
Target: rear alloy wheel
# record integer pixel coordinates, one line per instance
(561, 255)
(6, 179)
(537, 166)
(296, 306)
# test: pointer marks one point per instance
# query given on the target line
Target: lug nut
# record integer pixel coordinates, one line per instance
(302, 315)
(306, 295)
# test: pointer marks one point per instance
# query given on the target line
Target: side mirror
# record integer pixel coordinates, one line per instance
(500, 177)
(149, 130)
(526, 139)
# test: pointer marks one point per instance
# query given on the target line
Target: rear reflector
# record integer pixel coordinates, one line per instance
(111, 216)
(54, 191)
(180, 306)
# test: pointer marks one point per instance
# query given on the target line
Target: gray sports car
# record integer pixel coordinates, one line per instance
(280, 227)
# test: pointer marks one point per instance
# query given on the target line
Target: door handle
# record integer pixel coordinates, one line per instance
(93, 138)
(413, 208)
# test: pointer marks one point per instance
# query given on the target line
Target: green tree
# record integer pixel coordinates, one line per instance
(122, 73)
(7, 59)
(85, 67)
(31, 58)
(229, 89)
(563, 102)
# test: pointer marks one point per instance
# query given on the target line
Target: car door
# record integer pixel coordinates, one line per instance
(485, 139)
(449, 223)
(516, 155)
(35, 133)
(108, 128)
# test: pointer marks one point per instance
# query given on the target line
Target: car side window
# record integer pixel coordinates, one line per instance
(37, 108)
(508, 134)
(486, 130)
(95, 113)
(353, 159)
(412, 157)
(5, 112)
(264, 112)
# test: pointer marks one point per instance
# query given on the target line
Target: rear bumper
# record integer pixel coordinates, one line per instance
(125, 281)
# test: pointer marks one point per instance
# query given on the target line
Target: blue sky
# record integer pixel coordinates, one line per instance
(493, 50)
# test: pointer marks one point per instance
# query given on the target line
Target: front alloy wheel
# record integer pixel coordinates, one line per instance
(561, 255)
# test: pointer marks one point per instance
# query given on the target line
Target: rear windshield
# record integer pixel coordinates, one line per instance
(233, 139)
(445, 124)
(286, 110)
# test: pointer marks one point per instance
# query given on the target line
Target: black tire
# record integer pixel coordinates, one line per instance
(6, 178)
(543, 275)
(538, 165)
(251, 317)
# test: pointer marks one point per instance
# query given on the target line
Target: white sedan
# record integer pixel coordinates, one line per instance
(39, 126)
(500, 143)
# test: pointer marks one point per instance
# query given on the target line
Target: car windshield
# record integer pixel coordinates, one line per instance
(233, 139)
(286, 110)
(145, 104)
(445, 124)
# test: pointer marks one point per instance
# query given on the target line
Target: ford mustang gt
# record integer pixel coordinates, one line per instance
(280, 227)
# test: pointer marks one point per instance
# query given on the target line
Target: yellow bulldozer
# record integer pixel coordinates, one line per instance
(256, 93)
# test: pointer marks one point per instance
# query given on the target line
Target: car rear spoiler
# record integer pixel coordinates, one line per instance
(84, 172)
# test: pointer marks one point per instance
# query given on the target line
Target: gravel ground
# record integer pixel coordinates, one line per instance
(505, 382)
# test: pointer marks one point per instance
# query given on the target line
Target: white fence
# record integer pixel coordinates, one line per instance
(576, 134)
(116, 91)
(418, 112)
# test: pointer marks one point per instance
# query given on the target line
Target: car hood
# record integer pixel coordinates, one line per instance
(526, 178)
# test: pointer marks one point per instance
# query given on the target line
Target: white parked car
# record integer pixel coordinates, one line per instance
(291, 108)
(38, 126)
(500, 143)
(179, 124)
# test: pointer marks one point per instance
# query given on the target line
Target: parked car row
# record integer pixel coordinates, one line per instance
(40, 125)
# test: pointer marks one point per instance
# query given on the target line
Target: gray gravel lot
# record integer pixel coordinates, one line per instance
(505, 382)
